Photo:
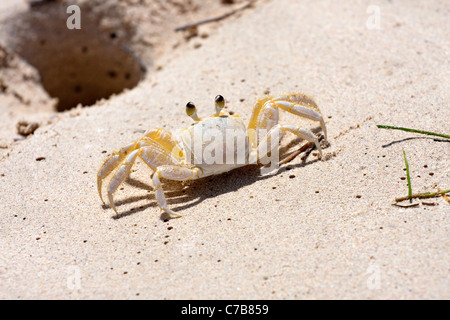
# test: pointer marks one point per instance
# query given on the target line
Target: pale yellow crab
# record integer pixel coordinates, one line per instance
(207, 147)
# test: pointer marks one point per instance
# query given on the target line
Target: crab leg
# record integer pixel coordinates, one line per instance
(120, 176)
(263, 119)
(152, 154)
(156, 148)
(110, 164)
(302, 106)
(269, 142)
(171, 172)
(304, 134)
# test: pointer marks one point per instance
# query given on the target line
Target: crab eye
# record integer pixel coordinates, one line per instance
(190, 108)
(192, 111)
(220, 101)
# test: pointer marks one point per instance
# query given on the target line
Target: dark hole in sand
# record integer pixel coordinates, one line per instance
(76, 66)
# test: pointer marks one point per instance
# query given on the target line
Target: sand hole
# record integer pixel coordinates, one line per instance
(78, 66)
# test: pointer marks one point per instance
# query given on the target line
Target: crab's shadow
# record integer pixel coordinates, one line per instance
(180, 197)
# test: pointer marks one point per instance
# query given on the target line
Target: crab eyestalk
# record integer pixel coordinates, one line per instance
(220, 103)
(191, 111)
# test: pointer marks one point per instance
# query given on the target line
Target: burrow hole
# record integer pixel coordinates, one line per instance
(77, 66)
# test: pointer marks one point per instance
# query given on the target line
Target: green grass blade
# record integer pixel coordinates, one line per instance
(414, 130)
(408, 176)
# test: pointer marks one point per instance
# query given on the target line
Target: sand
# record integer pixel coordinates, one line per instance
(314, 230)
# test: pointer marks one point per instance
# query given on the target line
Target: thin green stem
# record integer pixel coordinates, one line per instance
(423, 195)
(414, 130)
(408, 176)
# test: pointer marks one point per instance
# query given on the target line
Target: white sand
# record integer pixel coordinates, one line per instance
(329, 232)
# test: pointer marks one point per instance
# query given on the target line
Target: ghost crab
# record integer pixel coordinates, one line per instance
(174, 156)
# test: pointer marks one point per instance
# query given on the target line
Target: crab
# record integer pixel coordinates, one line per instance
(181, 156)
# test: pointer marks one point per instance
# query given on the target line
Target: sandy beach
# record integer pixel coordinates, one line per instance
(313, 230)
